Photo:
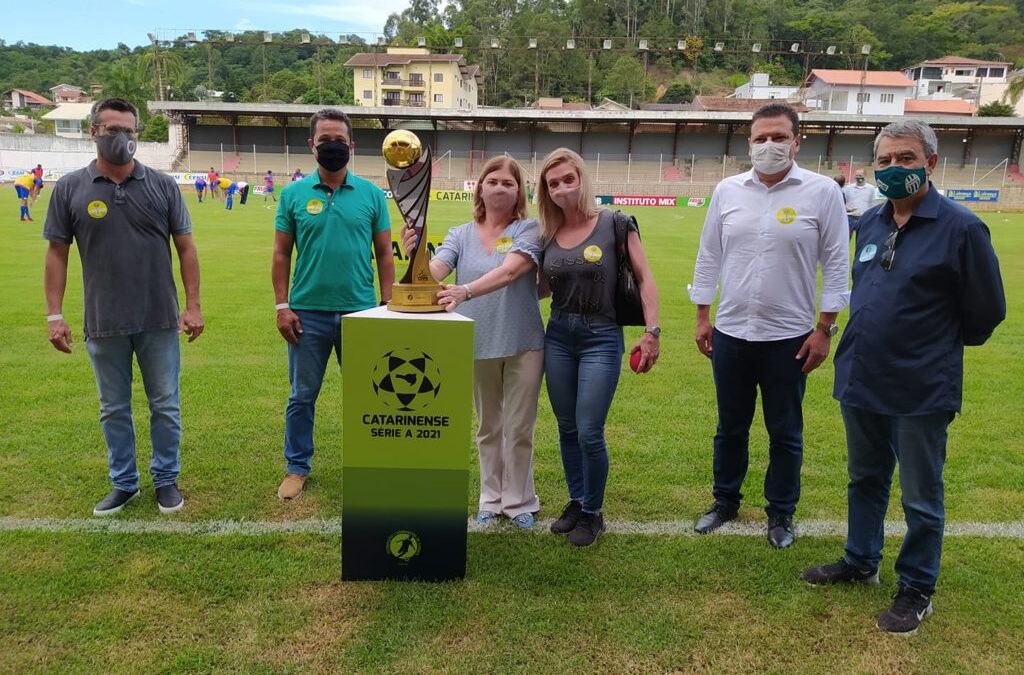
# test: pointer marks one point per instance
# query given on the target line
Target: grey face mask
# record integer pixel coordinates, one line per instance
(116, 148)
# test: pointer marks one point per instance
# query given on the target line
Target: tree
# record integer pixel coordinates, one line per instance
(155, 130)
(1015, 88)
(996, 109)
(677, 92)
(626, 82)
(164, 67)
(126, 80)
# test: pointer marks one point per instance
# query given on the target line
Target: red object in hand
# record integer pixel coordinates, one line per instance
(634, 361)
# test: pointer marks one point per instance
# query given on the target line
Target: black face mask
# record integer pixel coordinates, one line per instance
(116, 148)
(333, 155)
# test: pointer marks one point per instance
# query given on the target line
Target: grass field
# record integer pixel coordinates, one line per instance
(107, 601)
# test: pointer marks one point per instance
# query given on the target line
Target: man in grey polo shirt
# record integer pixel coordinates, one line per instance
(122, 217)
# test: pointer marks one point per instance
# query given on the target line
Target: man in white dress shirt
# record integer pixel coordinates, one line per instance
(765, 235)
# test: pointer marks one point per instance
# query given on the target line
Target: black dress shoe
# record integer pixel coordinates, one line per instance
(780, 531)
(719, 514)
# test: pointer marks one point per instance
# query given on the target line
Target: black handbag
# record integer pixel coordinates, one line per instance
(629, 308)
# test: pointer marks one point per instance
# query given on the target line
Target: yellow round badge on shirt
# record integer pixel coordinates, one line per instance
(786, 215)
(592, 253)
(97, 209)
(503, 245)
(314, 207)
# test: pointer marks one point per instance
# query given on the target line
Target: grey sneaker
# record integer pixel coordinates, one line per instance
(909, 608)
(840, 572)
(169, 499)
(114, 502)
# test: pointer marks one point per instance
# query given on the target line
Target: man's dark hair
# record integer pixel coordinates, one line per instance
(329, 114)
(118, 104)
(778, 110)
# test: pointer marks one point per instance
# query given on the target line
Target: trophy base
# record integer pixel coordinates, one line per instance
(415, 298)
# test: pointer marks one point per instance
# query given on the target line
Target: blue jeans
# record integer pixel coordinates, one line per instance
(159, 356)
(307, 363)
(582, 362)
(875, 443)
(739, 368)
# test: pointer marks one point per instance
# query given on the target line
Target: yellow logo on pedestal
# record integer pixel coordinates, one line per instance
(314, 207)
(97, 209)
(503, 245)
(592, 253)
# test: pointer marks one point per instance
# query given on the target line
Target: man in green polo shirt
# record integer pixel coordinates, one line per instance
(332, 218)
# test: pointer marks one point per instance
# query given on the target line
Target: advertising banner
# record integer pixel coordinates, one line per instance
(643, 200)
(972, 195)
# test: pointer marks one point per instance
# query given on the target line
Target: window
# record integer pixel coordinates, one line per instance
(982, 72)
(367, 73)
(888, 98)
(864, 97)
(438, 98)
(963, 73)
(392, 75)
(416, 79)
(367, 93)
(438, 77)
(996, 72)
(932, 73)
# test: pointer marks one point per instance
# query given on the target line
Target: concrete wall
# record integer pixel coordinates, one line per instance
(22, 151)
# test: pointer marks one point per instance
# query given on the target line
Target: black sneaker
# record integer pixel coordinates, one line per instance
(719, 514)
(570, 516)
(169, 499)
(587, 530)
(114, 502)
(909, 608)
(780, 531)
(840, 572)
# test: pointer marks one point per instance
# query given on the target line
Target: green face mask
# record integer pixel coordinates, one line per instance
(896, 182)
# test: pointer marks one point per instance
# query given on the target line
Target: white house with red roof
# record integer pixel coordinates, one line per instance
(857, 92)
(975, 81)
(17, 99)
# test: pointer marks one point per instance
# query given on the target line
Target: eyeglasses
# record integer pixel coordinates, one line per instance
(889, 255)
(110, 130)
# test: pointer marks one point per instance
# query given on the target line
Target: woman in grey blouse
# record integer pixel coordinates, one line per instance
(499, 251)
(583, 346)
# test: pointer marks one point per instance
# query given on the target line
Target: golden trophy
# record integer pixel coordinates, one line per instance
(409, 178)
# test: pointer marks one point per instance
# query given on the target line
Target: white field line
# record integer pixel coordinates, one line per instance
(332, 527)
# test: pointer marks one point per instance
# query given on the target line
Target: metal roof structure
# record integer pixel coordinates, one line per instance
(386, 114)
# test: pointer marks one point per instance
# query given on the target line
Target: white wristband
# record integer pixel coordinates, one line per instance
(54, 317)
(280, 306)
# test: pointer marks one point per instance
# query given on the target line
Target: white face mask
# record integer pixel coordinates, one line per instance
(567, 199)
(770, 157)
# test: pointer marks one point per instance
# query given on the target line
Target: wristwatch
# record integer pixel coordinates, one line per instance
(653, 330)
(829, 329)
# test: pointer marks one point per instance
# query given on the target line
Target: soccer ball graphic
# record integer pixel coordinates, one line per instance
(406, 379)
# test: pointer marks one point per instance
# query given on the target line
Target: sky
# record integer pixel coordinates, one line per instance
(88, 25)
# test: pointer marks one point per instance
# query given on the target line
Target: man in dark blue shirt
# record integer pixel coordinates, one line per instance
(926, 283)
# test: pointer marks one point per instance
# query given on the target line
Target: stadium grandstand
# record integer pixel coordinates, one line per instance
(656, 152)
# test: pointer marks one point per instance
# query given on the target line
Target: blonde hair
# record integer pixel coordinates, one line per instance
(497, 164)
(550, 214)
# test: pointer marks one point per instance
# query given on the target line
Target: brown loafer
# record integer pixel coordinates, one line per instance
(291, 486)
